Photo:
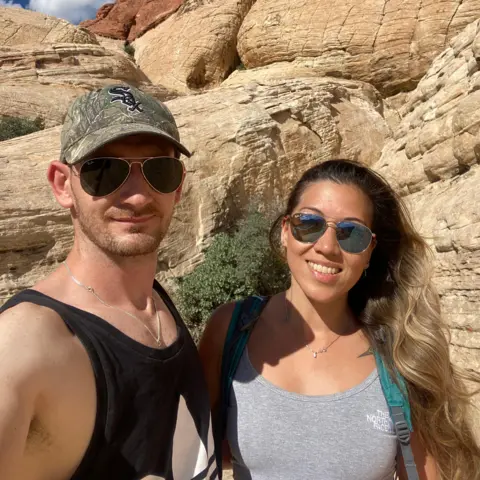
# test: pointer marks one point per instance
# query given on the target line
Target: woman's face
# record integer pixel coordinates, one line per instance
(322, 269)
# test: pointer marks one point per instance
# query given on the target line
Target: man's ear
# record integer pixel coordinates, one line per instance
(178, 191)
(59, 175)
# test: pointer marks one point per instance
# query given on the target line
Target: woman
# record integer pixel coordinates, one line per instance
(306, 400)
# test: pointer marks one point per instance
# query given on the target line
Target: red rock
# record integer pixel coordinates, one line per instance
(104, 10)
(129, 19)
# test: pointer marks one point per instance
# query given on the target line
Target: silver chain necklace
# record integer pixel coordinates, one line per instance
(313, 352)
(322, 350)
(157, 338)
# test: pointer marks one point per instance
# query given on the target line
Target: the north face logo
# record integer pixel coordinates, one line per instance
(123, 94)
(381, 421)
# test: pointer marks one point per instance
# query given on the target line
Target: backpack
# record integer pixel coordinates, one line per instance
(244, 317)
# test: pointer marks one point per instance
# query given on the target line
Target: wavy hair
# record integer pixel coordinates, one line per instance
(399, 310)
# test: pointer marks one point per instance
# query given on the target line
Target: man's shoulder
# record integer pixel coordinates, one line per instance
(28, 324)
(24, 305)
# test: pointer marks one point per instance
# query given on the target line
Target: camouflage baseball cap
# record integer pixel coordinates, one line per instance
(113, 112)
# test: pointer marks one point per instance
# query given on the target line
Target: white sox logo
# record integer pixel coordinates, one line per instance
(123, 94)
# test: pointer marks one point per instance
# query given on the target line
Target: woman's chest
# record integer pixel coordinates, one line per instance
(299, 371)
(276, 434)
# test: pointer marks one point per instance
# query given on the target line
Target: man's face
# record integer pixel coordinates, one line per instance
(134, 219)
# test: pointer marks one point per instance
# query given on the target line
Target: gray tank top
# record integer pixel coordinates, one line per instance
(275, 434)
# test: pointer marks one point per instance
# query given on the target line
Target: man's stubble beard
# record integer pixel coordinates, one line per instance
(138, 242)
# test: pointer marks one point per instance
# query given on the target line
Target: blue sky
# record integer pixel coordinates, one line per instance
(72, 10)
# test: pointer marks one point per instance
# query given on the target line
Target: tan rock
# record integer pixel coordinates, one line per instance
(41, 81)
(35, 232)
(194, 48)
(249, 141)
(387, 43)
(438, 136)
(112, 44)
(364, 148)
(433, 161)
(25, 27)
(447, 213)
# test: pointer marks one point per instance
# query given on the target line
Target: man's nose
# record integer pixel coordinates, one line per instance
(136, 190)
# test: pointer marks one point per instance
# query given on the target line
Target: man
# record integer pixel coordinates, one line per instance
(99, 377)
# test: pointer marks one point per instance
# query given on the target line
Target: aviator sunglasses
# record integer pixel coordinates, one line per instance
(351, 236)
(103, 176)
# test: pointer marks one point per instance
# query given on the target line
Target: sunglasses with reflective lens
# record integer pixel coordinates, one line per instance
(103, 176)
(351, 236)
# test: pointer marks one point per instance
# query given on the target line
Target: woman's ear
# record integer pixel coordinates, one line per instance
(371, 248)
(284, 232)
(59, 175)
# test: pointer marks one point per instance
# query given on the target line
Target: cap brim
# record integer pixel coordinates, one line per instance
(100, 138)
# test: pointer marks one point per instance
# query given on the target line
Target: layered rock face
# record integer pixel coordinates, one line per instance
(193, 49)
(128, 19)
(387, 43)
(24, 27)
(45, 63)
(438, 139)
(197, 45)
(42, 81)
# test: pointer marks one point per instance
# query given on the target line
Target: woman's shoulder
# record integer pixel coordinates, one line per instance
(218, 323)
(215, 332)
(211, 347)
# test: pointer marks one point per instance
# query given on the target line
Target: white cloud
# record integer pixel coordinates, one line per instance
(72, 10)
(9, 3)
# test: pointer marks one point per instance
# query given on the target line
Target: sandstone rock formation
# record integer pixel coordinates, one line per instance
(387, 43)
(113, 44)
(41, 81)
(34, 230)
(248, 142)
(129, 19)
(447, 213)
(363, 148)
(433, 159)
(24, 27)
(438, 134)
(193, 49)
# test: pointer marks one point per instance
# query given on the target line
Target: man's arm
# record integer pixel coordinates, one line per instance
(21, 375)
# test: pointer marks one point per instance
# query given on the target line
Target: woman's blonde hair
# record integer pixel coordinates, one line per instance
(400, 312)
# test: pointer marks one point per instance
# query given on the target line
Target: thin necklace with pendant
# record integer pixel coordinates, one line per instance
(157, 337)
(322, 350)
(310, 349)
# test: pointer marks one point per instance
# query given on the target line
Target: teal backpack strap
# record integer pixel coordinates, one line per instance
(399, 406)
(245, 314)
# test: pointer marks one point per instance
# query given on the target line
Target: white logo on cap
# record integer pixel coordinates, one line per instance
(124, 95)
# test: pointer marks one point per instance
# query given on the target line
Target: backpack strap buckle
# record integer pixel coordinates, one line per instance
(403, 435)
(401, 427)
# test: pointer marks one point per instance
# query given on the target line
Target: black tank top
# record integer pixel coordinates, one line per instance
(153, 413)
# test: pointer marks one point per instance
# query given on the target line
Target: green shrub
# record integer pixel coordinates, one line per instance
(236, 265)
(12, 127)
(129, 49)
